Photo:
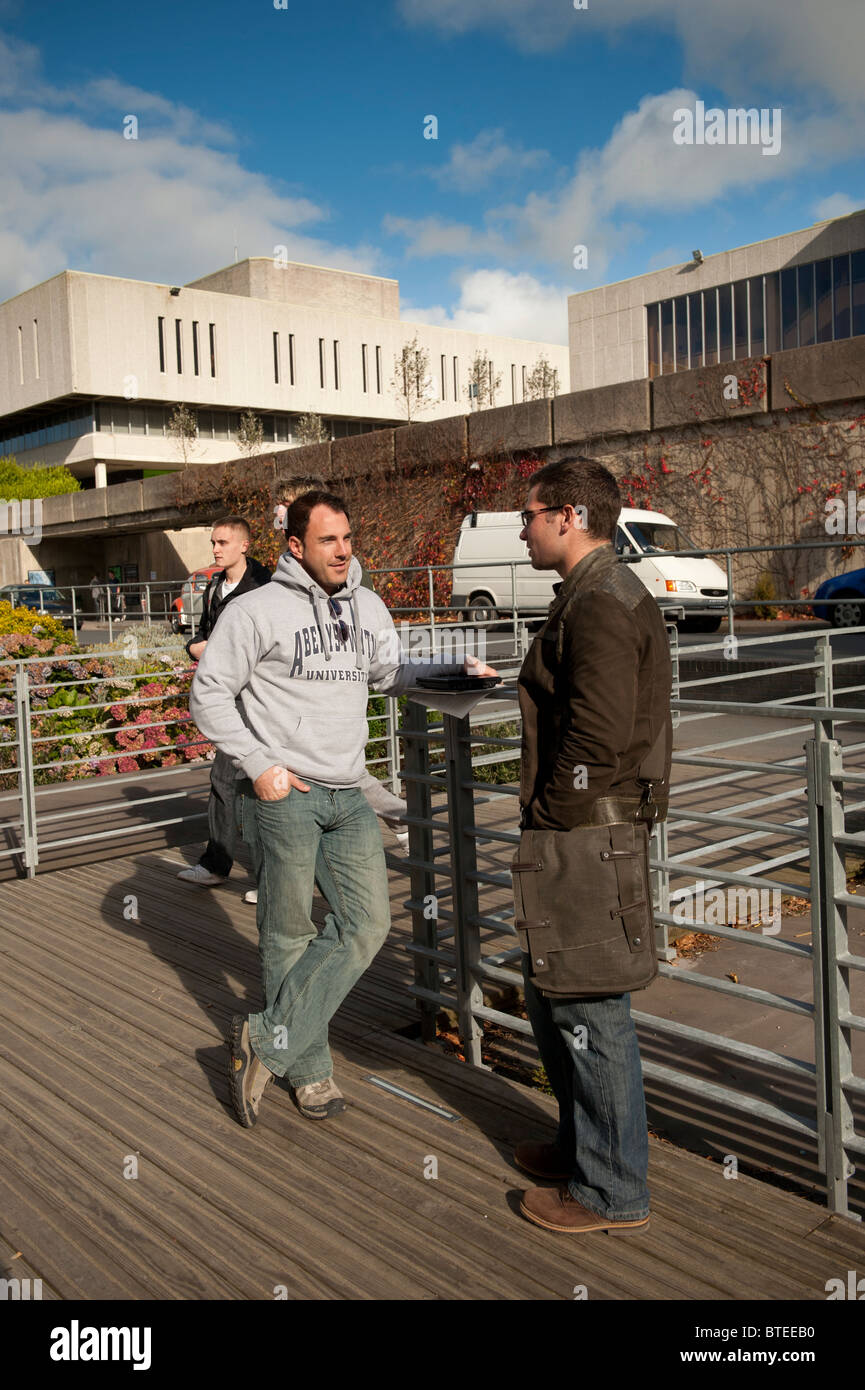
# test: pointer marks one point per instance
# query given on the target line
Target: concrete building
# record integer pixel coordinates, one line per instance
(792, 291)
(91, 366)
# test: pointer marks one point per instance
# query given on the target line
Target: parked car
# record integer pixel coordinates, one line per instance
(850, 590)
(692, 584)
(186, 609)
(44, 598)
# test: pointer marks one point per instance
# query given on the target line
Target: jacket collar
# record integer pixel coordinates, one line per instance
(583, 573)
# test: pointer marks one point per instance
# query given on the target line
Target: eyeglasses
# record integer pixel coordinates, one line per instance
(335, 610)
(526, 517)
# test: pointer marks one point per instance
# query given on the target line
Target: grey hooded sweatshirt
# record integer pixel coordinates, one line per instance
(278, 687)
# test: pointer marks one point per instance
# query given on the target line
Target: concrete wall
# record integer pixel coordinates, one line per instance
(314, 286)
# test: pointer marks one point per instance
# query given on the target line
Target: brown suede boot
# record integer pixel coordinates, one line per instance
(559, 1211)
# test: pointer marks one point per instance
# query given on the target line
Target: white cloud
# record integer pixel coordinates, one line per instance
(433, 236)
(640, 170)
(747, 47)
(475, 164)
(496, 301)
(837, 205)
(168, 206)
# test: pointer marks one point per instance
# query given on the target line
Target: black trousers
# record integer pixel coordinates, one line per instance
(222, 827)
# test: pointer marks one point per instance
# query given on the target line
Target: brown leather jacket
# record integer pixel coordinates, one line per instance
(594, 694)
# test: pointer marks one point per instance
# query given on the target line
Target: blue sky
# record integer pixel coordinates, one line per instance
(304, 127)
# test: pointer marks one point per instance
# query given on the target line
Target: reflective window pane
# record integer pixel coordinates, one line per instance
(740, 318)
(653, 324)
(680, 305)
(725, 323)
(136, 419)
(667, 335)
(758, 336)
(841, 279)
(710, 313)
(858, 291)
(789, 311)
(823, 292)
(773, 311)
(695, 314)
(806, 305)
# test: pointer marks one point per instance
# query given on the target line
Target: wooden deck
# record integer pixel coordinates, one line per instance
(111, 1037)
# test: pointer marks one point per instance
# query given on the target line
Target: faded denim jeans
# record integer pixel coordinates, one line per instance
(592, 1059)
(329, 837)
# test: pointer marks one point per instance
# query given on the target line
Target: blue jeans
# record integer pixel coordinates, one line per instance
(330, 838)
(592, 1059)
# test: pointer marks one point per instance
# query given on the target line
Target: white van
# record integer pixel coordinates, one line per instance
(488, 580)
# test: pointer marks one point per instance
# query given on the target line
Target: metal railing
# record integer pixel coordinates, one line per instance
(31, 814)
(463, 937)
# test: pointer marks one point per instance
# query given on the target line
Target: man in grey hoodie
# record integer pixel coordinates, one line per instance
(282, 690)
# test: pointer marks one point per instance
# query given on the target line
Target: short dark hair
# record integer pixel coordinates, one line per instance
(577, 481)
(287, 489)
(237, 523)
(298, 514)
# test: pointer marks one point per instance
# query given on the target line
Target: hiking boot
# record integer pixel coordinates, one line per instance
(557, 1210)
(543, 1161)
(251, 895)
(203, 877)
(321, 1100)
(247, 1075)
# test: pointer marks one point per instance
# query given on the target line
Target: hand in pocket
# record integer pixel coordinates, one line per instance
(276, 783)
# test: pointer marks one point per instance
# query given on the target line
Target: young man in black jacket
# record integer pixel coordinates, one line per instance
(240, 574)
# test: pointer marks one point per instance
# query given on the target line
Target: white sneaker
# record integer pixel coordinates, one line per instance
(251, 896)
(203, 877)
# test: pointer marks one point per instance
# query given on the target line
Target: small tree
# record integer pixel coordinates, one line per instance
(483, 382)
(250, 434)
(183, 428)
(542, 380)
(310, 429)
(411, 382)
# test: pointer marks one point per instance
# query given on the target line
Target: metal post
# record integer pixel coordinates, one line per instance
(514, 603)
(432, 613)
(823, 681)
(424, 912)
(110, 624)
(392, 713)
(74, 615)
(832, 1034)
(467, 940)
(659, 848)
(25, 776)
(729, 590)
(147, 611)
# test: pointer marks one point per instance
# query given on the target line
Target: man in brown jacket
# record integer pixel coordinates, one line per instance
(595, 700)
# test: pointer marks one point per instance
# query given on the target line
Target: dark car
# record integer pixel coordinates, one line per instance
(849, 590)
(41, 597)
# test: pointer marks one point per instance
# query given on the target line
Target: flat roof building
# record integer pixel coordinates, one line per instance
(790, 291)
(92, 365)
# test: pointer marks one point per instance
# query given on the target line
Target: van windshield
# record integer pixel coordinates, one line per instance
(659, 537)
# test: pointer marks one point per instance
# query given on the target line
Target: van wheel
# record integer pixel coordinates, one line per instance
(481, 609)
(175, 623)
